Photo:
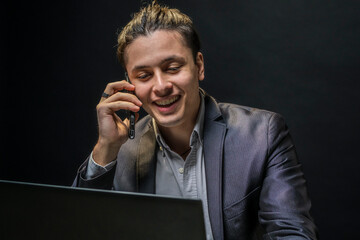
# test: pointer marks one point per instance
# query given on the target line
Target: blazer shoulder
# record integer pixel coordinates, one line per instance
(234, 114)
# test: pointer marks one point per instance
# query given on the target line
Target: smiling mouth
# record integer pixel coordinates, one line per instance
(167, 102)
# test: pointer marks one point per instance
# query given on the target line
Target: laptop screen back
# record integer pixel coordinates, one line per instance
(37, 211)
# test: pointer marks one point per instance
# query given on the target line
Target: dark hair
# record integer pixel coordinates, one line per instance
(155, 17)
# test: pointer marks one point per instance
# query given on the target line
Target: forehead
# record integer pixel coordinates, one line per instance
(155, 47)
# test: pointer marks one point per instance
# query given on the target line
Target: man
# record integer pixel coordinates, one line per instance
(239, 161)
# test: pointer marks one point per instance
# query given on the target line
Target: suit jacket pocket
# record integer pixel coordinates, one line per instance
(241, 217)
(249, 202)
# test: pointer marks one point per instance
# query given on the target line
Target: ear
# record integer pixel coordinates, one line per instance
(200, 65)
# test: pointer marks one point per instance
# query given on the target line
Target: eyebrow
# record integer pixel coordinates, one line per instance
(168, 59)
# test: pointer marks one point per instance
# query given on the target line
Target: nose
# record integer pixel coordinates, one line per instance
(162, 87)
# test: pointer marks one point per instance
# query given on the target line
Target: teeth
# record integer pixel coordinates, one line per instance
(167, 101)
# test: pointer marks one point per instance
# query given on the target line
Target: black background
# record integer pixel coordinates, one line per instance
(298, 58)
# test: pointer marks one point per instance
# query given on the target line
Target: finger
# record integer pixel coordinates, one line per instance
(114, 87)
(126, 121)
(137, 115)
(122, 96)
(110, 108)
(118, 119)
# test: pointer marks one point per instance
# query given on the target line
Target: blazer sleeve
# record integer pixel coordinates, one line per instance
(103, 181)
(284, 206)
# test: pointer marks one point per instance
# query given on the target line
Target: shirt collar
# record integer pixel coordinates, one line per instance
(197, 133)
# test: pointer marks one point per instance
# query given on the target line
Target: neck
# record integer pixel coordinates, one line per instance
(177, 139)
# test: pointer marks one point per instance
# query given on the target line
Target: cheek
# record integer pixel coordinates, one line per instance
(140, 91)
(191, 84)
(185, 81)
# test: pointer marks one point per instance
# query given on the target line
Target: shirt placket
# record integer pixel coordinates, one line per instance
(189, 176)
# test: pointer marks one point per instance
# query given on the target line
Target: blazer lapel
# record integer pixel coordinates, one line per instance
(214, 135)
(145, 163)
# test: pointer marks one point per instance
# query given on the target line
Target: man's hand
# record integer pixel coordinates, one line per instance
(113, 132)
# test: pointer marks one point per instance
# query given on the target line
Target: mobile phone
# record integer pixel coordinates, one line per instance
(131, 116)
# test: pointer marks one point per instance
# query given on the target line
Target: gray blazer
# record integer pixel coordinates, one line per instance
(255, 186)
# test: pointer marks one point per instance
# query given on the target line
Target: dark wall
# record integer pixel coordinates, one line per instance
(298, 58)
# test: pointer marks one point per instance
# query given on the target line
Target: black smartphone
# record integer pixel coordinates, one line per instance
(131, 116)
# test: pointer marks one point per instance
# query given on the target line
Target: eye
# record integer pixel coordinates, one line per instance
(173, 69)
(143, 76)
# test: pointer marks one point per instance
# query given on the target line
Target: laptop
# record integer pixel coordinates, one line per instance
(38, 211)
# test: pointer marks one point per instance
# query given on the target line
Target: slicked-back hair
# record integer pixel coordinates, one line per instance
(156, 17)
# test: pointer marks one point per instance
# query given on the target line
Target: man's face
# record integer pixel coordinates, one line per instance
(166, 78)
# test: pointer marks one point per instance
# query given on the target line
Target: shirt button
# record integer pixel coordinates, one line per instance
(181, 170)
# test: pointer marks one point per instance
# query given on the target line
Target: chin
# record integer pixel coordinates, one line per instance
(168, 121)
